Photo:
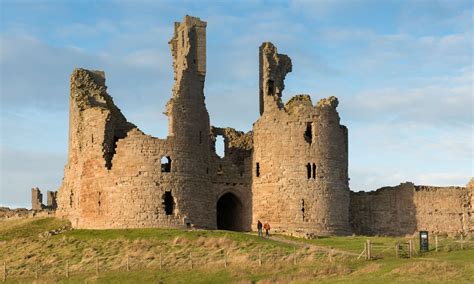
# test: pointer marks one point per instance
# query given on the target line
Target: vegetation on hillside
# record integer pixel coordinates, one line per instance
(48, 248)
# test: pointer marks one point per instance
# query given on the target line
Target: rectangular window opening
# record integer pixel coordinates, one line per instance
(168, 202)
(308, 134)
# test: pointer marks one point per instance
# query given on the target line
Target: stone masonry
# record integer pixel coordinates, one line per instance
(291, 170)
(408, 208)
(37, 200)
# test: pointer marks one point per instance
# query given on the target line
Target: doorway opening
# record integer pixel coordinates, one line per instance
(229, 213)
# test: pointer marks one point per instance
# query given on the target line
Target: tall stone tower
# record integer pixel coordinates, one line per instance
(188, 122)
(300, 181)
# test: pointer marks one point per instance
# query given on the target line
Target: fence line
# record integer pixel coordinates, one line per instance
(216, 258)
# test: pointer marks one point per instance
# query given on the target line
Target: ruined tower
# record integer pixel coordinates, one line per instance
(116, 175)
(300, 181)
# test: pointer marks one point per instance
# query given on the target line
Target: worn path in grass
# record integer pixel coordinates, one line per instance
(302, 243)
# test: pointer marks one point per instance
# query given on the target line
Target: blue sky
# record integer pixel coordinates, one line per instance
(402, 70)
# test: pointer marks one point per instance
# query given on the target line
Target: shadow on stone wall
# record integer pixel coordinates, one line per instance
(386, 211)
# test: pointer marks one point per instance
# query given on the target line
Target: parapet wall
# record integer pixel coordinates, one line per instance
(406, 209)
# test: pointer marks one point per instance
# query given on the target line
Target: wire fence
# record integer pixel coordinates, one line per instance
(221, 258)
(410, 248)
(189, 259)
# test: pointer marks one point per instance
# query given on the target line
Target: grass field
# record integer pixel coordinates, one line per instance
(174, 256)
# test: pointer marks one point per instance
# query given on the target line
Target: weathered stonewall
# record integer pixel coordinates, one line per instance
(291, 170)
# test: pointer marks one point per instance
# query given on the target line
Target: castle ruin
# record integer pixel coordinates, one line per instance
(291, 170)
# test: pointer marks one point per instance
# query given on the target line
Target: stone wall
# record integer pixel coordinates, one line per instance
(407, 209)
(119, 177)
(291, 170)
(300, 182)
(37, 200)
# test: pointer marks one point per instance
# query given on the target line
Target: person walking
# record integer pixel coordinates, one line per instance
(266, 226)
(259, 228)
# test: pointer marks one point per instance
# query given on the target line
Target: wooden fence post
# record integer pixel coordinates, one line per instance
(369, 250)
(97, 266)
(294, 255)
(225, 259)
(397, 249)
(67, 268)
(191, 260)
(462, 242)
(410, 248)
(366, 251)
(36, 270)
(259, 257)
(128, 262)
(436, 243)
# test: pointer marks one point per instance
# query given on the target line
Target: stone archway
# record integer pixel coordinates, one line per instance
(229, 212)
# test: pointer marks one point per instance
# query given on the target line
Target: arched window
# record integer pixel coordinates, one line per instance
(165, 164)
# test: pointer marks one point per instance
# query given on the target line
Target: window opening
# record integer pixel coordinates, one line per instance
(314, 170)
(308, 134)
(220, 146)
(200, 137)
(168, 201)
(302, 208)
(271, 87)
(165, 164)
(258, 170)
(99, 203)
(308, 169)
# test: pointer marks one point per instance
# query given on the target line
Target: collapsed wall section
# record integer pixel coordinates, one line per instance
(407, 209)
(231, 176)
(112, 178)
(118, 177)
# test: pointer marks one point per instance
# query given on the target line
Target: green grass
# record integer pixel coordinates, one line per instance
(21, 247)
(27, 228)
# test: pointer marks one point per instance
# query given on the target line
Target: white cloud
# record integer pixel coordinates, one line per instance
(440, 100)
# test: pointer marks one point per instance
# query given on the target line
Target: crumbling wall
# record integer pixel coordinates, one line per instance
(51, 199)
(115, 176)
(232, 172)
(36, 199)
(407, 209)
(299, 168)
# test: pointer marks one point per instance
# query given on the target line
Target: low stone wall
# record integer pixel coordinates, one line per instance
(407, 209)
(19, 213)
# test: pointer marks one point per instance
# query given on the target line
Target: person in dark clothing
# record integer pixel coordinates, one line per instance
(259, 228)
(267, 230)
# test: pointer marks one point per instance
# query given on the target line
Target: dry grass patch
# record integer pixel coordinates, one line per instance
(432, 271)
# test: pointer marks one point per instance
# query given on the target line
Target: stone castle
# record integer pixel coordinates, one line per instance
(291, 170)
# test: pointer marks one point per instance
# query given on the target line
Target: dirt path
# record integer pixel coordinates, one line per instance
(297, 243)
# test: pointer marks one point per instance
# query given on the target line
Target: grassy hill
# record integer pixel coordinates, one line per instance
(48, 248)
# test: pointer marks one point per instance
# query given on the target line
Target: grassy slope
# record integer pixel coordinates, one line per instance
(21, 246)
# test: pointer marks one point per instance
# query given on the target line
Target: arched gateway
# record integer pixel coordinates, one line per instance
(229, 213)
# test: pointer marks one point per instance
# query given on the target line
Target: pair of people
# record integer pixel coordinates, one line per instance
(266, 227)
